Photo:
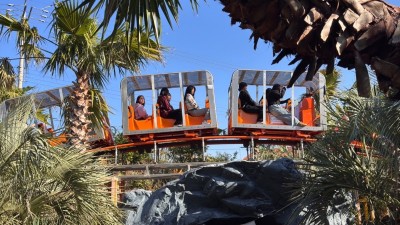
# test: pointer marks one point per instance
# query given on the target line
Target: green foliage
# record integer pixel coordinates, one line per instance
(48, 185)
(7, 74)
(141, 157)
(194, 153)
(273, 152)
(332, 82)
(80, 48)
(143, 13)
(118, 137)
(134, 157)
(360, 154)
(98, 109)
(13, 92)
(222, 157)
(182, 154)
(7, 81)
(83, 47)
(26, 34)
(171, 155)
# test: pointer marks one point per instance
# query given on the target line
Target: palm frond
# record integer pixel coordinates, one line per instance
(80, 49)
(332, 82)
(49, 185)
(7, 74)
(359, 156)
(28, 38)
(72, 20)
(99, 109)
(137, 14)
(131, 53)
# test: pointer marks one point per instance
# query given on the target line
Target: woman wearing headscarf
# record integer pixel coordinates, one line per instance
(166, 109)
(275, 108)
(192, 107)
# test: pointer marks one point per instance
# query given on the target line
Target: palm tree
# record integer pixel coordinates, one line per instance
(41, 184)
(138, 14)
(93, 59)
(316, 32)
(80, 49)
(359, 157)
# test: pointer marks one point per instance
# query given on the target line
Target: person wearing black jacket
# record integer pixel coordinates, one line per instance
(248, 104)
(275, 108)
(267, 91)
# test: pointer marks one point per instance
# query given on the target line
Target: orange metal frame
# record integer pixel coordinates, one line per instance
(217, 139)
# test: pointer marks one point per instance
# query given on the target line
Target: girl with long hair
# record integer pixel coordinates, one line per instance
(140, 111)
(166, 109)
(192, 107)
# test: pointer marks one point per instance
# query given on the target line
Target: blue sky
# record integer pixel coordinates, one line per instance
(202, 41)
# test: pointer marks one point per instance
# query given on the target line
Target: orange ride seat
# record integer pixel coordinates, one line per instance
(192, 120)
(307, 111)
(250, 118)
(133, 124)
(163, 122)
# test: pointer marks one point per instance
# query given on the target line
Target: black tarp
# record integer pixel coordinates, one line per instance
(231, 193)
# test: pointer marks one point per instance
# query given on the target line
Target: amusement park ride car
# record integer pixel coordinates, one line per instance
(53, 100)
(241, 122)
(156, 131)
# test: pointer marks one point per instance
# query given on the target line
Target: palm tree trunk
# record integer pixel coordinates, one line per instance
(79, 127)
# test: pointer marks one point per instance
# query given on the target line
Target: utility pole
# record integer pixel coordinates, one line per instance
(21, 67)
(21, 54)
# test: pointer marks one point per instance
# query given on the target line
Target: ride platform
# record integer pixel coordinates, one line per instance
(252, 141)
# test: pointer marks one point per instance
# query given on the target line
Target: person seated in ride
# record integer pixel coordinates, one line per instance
(166, 109)
(43, 128)
(191, 105)
(48, 132)
(140, 111)
(51, 131)
(275, 108)
(248, 104)
(261, 102)
(169, 97)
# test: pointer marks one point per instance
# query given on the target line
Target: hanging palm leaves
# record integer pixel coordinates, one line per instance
(138, 14)
(316, 32)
